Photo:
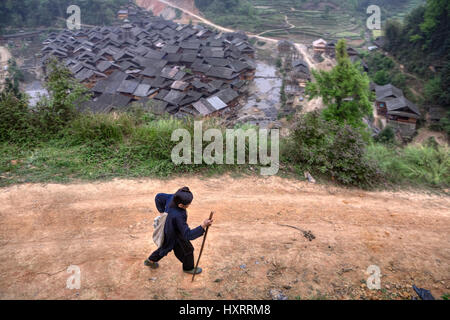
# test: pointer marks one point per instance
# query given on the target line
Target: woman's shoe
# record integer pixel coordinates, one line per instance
(196, 271)
(151, 264)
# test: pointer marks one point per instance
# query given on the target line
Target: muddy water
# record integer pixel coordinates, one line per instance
(264, 97)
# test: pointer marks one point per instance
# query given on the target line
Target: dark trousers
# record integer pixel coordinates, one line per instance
(184, 251)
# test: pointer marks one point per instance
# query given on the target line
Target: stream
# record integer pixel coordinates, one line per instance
(264, 97)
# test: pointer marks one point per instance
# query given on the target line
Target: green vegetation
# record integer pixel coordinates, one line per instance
(344, 90)
(383, 70)
(15, 118)
(413, 164)
(386, 136)
(40, 13)
(64, 91)
(331, 19)
(15, 76)
(178, 13)
(331, 149)
(231, 13)
(421, 44)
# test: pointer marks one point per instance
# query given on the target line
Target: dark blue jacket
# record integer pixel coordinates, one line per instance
(176, 224)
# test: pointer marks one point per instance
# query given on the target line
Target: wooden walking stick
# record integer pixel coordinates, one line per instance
(203, 245)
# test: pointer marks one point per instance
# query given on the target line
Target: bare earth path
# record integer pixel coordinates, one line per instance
(105, 229)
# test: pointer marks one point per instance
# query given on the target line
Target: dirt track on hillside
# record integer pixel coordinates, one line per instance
(105, 229)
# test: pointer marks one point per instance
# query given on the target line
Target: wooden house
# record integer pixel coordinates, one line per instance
(402, 110)
(319, 46)
(383, 95)
(122, 14)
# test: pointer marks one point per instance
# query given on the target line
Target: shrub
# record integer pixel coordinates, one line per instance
(104, 128)
(386, 136)
(54, 113)
(337, 151)
(15, 119)
(381, 78)
(424, 165)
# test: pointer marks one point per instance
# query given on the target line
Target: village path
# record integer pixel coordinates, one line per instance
(105, 229)
(196, 16)
(291, 26)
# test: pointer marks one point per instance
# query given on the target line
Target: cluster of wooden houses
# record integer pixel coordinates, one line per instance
(399, 112)
(390, 103)
(329, 48)
(321, 46)
(298, 73)
(184, 69)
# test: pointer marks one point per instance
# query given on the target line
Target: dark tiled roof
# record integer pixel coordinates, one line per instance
(217, 62)
(128, 86)
(188, 57)
(388, 91)
(106, 102)
(105, 65)
(151, 48)
(173, 73)
(142, 90)
(160, 82)
(402, 104)
(203, 107)
(201, 67)
(173, 57)
(179, 85)
(221, 73)
(190, 45)
(151, 72)
(171, 49)
(161, 94)
(174, 97)
(227, 95)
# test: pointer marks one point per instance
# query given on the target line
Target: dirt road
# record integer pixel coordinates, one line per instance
(105, 229)
(196, 16)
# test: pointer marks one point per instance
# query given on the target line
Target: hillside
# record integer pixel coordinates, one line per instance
(160, 9)
(302, 21)
(50, 13)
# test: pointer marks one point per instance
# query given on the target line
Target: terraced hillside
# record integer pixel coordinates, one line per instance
(303, 21)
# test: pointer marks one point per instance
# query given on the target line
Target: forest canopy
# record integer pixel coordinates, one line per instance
(422, 44)
(47, 13)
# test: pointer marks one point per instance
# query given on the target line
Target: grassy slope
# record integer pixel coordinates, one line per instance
(104, 147)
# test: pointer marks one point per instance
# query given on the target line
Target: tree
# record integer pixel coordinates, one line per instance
(64, 92)
(393, 32)
(33, 13)
(327, 148)
(345, 90)
(15, 118)
(381, 78)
